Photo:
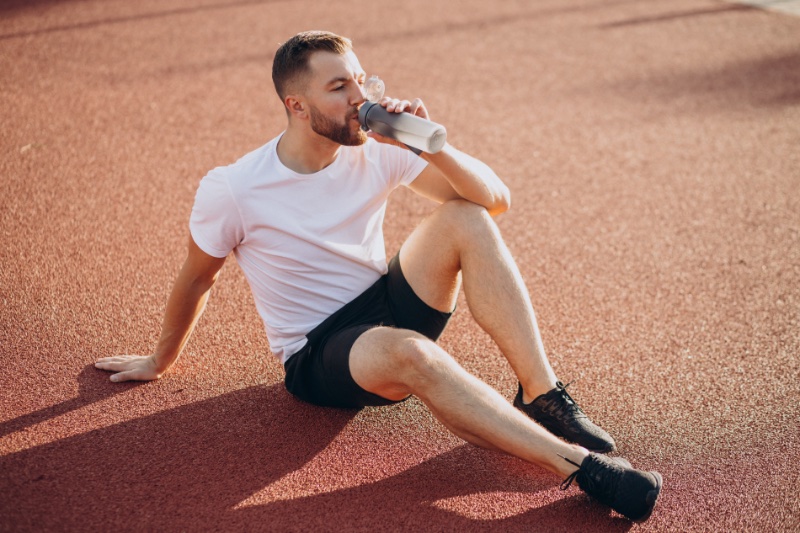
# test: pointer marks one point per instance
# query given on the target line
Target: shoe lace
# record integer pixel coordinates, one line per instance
(567, 482)
(573, 405)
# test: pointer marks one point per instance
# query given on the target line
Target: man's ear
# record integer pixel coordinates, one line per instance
(296, 106)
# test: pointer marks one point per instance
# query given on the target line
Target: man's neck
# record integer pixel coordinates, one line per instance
(306, 152)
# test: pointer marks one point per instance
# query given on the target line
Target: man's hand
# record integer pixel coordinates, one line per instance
(394, 105)
(130, 367)
(415, 107)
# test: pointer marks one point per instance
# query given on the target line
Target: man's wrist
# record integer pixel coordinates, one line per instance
(161, 363)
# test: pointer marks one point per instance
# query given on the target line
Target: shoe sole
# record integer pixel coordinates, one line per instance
(651, 497)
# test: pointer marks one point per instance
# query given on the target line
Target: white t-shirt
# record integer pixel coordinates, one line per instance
(307, 243)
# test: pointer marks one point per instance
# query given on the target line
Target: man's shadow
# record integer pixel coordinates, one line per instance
(480, 483)
(190, 468)
(90, 390)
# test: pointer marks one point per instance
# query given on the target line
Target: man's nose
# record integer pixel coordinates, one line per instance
(360, 96)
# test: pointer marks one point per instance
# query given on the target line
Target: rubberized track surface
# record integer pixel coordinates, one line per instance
(653, 152)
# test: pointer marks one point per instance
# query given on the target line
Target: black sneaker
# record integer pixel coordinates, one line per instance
(561, 416)
(613, 482)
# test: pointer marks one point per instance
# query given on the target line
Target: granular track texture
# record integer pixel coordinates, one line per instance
(653, 154)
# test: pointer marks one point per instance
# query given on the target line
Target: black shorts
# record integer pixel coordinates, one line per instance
(320, 372)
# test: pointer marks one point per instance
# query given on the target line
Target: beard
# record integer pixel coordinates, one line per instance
(338, 132)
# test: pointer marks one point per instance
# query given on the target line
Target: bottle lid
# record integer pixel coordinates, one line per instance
(374, 88)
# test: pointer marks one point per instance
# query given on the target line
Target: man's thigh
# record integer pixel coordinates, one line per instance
(408, 310)
(376, 361)
(431, 256)
(320, 373)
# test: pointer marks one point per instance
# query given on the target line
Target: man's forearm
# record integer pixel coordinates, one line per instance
(184, 307)
(472, 179)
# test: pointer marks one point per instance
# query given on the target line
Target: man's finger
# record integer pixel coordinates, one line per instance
(114, 366)
(116, 359)
(418, 108)
(113, 359)
(122, 376)
(108, 365)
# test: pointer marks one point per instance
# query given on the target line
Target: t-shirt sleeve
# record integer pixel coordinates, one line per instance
(404, 165)
(216, 224)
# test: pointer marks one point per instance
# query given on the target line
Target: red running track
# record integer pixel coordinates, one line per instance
(652, 152)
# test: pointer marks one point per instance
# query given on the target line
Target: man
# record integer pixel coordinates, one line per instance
(304, 214)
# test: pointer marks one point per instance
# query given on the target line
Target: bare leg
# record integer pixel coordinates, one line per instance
(461, 239)
(394, 363)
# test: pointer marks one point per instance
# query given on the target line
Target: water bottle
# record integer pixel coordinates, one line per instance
(417, 133)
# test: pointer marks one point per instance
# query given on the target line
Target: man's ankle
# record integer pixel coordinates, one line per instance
(568, 463)
(532, 390)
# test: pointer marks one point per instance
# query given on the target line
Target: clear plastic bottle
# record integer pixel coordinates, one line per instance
(417, 133)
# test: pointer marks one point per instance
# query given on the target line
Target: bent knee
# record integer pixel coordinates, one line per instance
(394, 363)
(463, 217)
(462, 208)
(419, 358)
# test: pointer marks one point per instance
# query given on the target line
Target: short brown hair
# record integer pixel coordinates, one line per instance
(291, 59)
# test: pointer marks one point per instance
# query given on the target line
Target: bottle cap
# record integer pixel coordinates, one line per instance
(374, 89)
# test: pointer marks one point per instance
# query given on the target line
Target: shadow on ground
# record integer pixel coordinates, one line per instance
(90, 390)
(770, 82)
(188, 468)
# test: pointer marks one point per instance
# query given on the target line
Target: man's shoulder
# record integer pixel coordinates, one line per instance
(242, 173)
(246, 164)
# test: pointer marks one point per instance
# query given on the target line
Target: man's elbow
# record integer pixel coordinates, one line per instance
(502, 201)
(197, 283)
(203, 282)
